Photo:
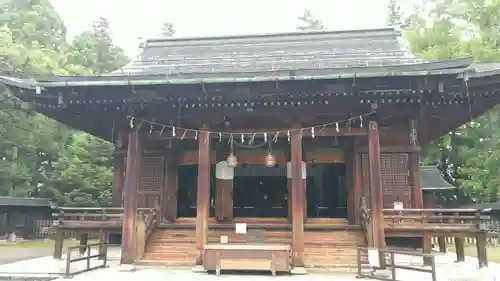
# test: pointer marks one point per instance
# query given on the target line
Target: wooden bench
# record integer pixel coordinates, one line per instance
(270, 257)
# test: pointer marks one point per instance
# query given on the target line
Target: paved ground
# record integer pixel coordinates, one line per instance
(13, 254)
(447, 270)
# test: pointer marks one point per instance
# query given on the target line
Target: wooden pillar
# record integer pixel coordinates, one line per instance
(203, 194)
(170, 186)
(224, 191)
(84, 240)
(118, 184)
(414, 161)
(427, 248)
(442, 244)
(297, 201)
(459, 248)
(376, 199)
(130, 198)
(58, 244)
(482, 256)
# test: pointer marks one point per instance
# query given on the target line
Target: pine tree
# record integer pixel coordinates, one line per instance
(167, 30)
(394, 15)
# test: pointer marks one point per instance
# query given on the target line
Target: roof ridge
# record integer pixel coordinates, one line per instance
(379, 31)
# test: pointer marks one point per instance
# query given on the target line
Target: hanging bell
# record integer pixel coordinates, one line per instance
(270, 160)
(231, 160)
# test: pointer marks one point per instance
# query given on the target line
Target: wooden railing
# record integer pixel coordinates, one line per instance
(462, 219)
(88, 257)
(147, 223)
(91, 213)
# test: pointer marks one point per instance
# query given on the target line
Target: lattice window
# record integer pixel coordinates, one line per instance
(394, 172)
(151, 175)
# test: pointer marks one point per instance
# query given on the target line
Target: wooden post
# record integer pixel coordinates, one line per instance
(357, 181)
(482, 255)
(427, 248)
(297, 201)
(59, 239)
(203, 194)
(459, 248)
(130, 198)
(118, 185)
(170, 186)
(84, 239)
(103, 239)
(414, 161)
(376, 199)
(58, 244)
(442, 244)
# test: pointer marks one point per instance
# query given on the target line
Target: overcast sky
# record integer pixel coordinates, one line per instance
(134, 19)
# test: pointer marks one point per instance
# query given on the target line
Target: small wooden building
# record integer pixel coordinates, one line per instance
(302, 137)
(18, 215)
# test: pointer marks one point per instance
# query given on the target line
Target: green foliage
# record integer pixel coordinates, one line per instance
(469, 156)
(39, 156)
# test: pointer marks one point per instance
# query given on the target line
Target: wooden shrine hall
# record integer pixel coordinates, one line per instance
(286, 150)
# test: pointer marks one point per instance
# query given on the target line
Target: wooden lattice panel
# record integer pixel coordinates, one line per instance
(151, 175)
(394, 172)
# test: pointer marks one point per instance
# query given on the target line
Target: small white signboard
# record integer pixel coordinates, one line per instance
(373, 258)
(223, 239)
(398, 206)
(241, 228)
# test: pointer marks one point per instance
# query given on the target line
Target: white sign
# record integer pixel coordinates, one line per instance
(223, 239)
(241, 228)
(398, 206)
(373, 258)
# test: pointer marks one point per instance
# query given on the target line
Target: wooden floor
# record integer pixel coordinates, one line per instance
(328, 242)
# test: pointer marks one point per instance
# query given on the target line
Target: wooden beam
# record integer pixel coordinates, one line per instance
(130, 198)
(306, 133)
(393, 149)
(297, 201)
(376, 198)
(203, 194)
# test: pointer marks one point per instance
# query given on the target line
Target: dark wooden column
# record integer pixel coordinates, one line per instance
(358, 177)
(170, 185)
(130, 198)
(203, 194)
(414, 161)
(297, 201)
(376, 200)
(119, 181)
(223, 192)
(414, 166)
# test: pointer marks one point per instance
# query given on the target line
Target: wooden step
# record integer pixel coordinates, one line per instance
(335, 248)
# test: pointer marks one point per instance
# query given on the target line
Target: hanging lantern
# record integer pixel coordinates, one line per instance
(270, 160)
(231, 160)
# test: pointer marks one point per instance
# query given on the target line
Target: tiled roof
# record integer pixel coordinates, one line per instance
(233, 55)
(431, 179)
(24, 202)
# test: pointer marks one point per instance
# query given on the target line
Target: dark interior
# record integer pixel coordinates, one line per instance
(260, 196)
(267, 195)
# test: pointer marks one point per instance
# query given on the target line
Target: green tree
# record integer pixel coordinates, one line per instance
(95, 51)
(82, 174)
(468, 156)
(41, 157)
(310, 22)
